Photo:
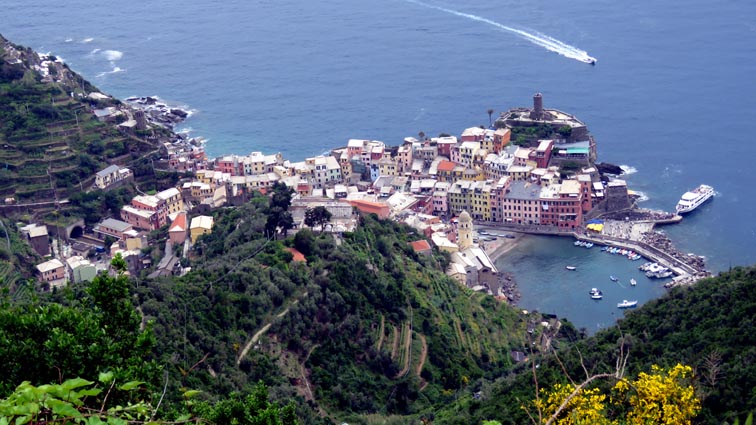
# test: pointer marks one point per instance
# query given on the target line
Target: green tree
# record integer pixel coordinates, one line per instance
(43, 342)
(317, 216)
(252, 409)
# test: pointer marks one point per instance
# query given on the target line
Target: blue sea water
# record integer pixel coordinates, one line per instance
(672, 95)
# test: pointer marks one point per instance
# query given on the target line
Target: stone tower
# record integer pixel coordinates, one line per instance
(141, 120)
(537, 112)
(465, 231)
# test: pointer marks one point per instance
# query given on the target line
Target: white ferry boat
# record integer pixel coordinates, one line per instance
(691, 200)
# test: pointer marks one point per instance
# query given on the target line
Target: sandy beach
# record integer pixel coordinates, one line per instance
(501, 245)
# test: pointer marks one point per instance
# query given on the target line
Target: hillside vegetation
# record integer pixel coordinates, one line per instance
(366, 325)
(52, 144)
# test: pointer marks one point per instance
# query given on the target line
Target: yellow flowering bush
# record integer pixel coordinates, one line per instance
(587, 406)
(664, 396)
(660, 397)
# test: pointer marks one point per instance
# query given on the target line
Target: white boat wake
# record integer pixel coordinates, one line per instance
(542, 40)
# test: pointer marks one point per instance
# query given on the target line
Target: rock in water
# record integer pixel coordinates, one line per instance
(179, 113)
(606, 168)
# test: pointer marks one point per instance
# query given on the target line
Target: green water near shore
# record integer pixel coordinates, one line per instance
(538, 264)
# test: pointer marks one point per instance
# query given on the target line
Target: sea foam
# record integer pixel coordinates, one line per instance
(115, 70)
(112, 55)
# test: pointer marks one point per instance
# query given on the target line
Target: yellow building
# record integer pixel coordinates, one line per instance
(201, 225)
(173, 200)
(460, 196)
(480, 200)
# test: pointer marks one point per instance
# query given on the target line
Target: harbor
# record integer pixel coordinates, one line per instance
(637, 234)
(555, 275)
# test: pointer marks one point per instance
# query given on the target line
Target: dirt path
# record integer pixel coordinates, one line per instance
(251, 342)
(262, 331)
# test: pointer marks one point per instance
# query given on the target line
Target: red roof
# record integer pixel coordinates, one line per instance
(420, 246)
(179, 224)
(446, 166)
(298, 256)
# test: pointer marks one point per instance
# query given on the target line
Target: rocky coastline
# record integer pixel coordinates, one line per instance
(158, 111)
(508, 288)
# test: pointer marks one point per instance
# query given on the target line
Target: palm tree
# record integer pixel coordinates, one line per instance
(490, 113)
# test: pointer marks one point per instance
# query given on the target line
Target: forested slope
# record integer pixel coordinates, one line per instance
(365, 325)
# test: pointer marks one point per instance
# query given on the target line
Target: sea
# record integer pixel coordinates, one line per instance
(671, 97)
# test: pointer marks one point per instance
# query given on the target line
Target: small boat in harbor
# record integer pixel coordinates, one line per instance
(633, 282)
(627, 304)
(613, 278)
(596, 294)
(570, 267)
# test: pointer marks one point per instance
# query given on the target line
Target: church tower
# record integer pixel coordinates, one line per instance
(465, 231)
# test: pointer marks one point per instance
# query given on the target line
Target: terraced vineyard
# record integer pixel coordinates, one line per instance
(52, 143)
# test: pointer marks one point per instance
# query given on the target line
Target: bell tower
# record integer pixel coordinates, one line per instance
(465, 231)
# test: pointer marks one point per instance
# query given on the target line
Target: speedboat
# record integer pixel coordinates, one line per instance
(633, 282)
(613, 278)
(596, 294)
(627, 304)
(589, 60)
(570, 267)
(694, 198)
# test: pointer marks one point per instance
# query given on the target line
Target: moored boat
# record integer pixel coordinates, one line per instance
(694, 198)
(596, 294)
(570, 267)
(627, 304)
(633, 282)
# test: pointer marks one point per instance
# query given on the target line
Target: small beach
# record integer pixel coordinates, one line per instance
(501, 245)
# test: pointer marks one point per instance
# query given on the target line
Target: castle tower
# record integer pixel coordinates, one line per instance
(465, 231)
(537, 112)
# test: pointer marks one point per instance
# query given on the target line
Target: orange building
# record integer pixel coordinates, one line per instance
(368, 207)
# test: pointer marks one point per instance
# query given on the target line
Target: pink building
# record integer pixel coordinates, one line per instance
(565, 209)
(230, 164)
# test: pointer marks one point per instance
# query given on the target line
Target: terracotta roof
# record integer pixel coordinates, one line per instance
(420, 246)
(179, 224)
(446, 166)
(298, 256)
(368, 207)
